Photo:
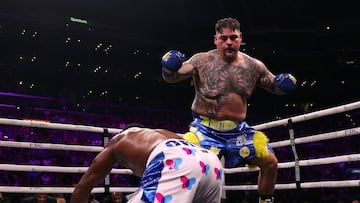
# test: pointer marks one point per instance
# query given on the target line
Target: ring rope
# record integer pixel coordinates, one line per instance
(309, 116)
(302, 140)
(337, 134)
(57, 126)
(318, 137)
(310, 162)
(32, 145)
(41, 124)
(58, 169)
(70, 169)
(322, 184)
(86, 128)
(17, 189)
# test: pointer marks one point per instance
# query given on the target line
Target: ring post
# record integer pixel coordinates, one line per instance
(290, 127)
(107, 178)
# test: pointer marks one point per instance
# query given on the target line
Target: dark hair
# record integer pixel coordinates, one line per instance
(231, 23)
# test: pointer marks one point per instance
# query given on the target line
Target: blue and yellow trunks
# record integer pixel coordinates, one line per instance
(235, 140)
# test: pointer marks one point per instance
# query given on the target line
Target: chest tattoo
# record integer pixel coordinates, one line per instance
(217, 79)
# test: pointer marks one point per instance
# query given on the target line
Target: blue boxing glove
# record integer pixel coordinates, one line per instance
(285, 82)
(171, 62)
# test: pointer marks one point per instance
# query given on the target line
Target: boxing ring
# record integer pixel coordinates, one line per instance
(293, 141)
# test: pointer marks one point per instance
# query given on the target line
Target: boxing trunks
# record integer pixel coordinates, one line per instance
(235, 140)
(179, 171)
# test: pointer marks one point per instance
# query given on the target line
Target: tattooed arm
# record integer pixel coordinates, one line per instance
(189, 67)
(185, 72)
(266, 79)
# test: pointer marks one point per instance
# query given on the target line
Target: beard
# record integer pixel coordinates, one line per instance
(230, 54)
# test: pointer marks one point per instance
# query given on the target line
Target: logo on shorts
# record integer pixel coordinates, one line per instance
(218, 173)
(163, 199)
(242, 140)
(173, 163)
(187, 182)
(204, 168)
(189, 151)
(244, 152)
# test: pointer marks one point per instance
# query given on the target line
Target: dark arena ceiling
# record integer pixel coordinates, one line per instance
(110, 50)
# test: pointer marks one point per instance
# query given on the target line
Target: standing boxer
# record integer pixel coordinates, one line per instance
(224, 78)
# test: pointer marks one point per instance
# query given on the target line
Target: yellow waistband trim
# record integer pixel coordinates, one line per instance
(217, 124)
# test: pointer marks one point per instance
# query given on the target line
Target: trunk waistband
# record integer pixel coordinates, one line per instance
(166, 144)
(215, 124)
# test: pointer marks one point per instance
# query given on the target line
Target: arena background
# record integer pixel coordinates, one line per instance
(98, 62)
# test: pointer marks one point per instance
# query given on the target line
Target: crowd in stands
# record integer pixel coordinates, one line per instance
(176, 121)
